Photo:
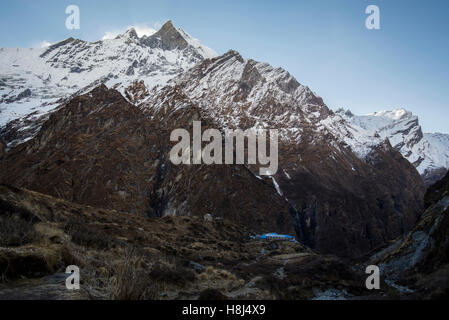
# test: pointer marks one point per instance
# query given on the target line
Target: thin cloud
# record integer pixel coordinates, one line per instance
(40, 44)
(45, 44)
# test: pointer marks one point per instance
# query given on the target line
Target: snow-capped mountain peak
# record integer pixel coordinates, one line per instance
(428, 152)
(33, 81)
(131, 33)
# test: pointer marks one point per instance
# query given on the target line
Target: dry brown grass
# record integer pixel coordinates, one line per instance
(219, 279)
(16, 232)
(86, 237)
(132, 280)
(210, 273)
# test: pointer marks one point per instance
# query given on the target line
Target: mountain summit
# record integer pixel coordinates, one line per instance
(34, 81)
(167, 38)
(131, 33)
(428, 152)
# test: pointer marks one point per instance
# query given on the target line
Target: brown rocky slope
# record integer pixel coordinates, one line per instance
(420, 260)
(125, 256)
(102, 151)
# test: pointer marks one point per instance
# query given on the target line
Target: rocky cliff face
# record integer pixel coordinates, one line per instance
(167, 38)
(428, 152)
(435, 192)
(2, 148)
(420, 260)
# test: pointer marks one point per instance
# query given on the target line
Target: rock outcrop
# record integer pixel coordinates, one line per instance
(167, 38)
(420, 261)
(2, 148)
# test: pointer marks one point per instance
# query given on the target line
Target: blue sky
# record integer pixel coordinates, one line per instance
(323, 43)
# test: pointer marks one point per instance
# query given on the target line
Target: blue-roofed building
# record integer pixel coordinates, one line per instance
(276, 236)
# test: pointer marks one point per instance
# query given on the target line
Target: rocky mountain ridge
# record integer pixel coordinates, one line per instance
(34, 82)
(418, 263)
(428, 152)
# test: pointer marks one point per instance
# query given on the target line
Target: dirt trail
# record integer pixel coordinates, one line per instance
(48, 288)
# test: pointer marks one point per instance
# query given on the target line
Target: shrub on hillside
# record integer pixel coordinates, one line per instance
(16, 232)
